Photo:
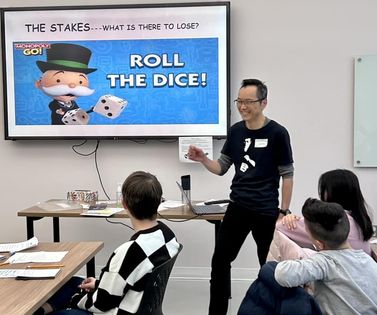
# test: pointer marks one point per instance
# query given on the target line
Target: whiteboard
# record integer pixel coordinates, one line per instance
(365, 112)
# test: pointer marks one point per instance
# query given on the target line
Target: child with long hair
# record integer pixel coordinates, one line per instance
(340, 186)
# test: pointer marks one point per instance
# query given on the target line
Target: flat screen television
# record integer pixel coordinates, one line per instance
(114, 72)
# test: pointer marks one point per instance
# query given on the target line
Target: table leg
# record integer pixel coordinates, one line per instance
(30, 226)
(91, 268)
(56, 229)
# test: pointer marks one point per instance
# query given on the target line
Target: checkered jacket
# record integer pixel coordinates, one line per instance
(121, 284)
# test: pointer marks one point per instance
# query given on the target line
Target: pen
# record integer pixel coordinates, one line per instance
(7, 262)
(44, 266)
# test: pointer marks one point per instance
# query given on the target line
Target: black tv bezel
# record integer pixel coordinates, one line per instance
(3, 11)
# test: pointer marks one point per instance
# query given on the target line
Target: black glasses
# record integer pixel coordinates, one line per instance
(246, 102)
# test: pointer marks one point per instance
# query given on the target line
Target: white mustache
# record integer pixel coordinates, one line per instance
(60, 90)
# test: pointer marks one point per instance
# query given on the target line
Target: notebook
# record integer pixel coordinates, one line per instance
(26, 274)
(202, 209)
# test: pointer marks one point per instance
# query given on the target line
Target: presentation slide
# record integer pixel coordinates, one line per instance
(116, 71)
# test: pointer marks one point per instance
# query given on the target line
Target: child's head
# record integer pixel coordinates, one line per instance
(326, 222)
(141, 193)
(341, 186)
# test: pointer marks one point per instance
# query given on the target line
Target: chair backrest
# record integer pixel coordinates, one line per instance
(151, 302)
(374, 252)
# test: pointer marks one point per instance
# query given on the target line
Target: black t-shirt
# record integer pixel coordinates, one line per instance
(256, 155)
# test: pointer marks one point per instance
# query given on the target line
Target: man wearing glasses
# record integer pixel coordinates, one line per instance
(261, 152)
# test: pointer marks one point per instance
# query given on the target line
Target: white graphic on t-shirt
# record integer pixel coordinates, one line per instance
(244, 167)
(247, 158)
(247, 144)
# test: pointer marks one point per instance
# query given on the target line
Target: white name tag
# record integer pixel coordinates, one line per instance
(261, 143)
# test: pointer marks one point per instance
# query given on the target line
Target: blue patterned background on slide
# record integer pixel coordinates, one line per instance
(160, 104)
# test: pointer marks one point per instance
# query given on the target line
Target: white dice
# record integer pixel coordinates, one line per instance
(110, 106)
(75, 117)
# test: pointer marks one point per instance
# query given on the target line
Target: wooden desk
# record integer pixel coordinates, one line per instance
(25, 297)
(34, 213)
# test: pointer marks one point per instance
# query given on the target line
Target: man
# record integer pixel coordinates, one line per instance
(120, 287)
(65, 78)
(261, 153)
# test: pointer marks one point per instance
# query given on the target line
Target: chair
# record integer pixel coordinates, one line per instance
(151, 302)
(374, 253)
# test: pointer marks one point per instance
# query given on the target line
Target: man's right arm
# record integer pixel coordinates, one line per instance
(197, 155)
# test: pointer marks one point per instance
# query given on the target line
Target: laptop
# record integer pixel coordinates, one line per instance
(202, 209)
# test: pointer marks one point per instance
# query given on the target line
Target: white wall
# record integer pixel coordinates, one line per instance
(302, 49)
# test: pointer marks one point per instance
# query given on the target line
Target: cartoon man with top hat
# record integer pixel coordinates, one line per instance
(65, 78)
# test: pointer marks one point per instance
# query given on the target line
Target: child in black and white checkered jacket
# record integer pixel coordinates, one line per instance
(120, 286)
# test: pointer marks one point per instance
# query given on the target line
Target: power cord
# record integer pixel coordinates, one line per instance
(97, 169)
(171, 220)
(80, 145)
(141, 141)
(117, 222)
(95, 161)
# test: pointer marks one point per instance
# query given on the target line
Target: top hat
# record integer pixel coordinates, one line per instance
(67, 57)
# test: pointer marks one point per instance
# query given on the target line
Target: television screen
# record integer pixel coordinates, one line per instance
(150, 71)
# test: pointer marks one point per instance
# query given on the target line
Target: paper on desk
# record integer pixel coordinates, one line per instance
(28, 273)
(374, 241)
(107, 212)
(167, 204)
(16, 247)
(41, 257)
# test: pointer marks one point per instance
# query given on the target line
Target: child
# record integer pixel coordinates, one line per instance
(120, 287)
(340, 186)
(344, 278)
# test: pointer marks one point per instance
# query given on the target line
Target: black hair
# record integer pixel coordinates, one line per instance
(326, 221)
(342, 186)
(261, 87)
(142, 193)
